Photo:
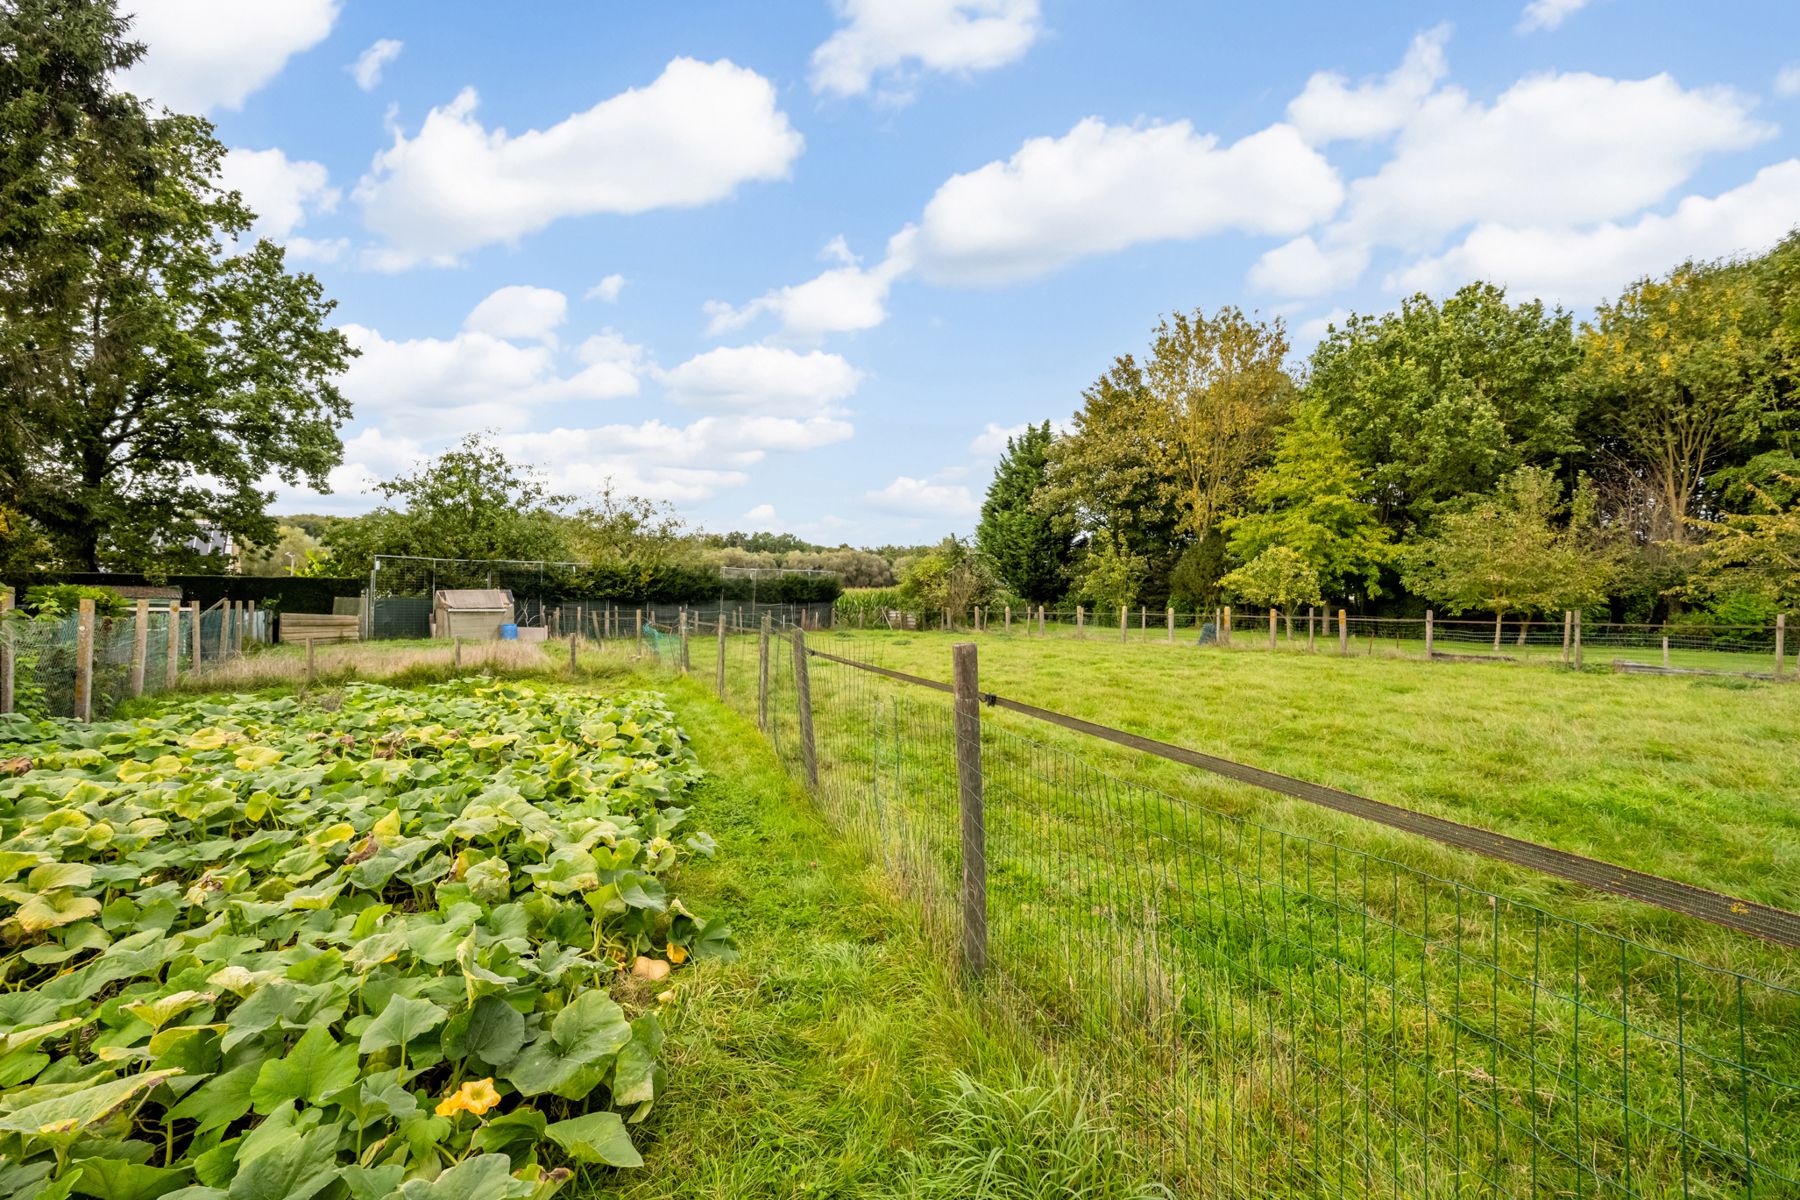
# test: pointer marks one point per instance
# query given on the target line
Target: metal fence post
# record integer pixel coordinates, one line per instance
(974, 825)
(1428, 633)
(762, 676)
(6, 651)
(803, 704)
(84, 661)
(721, 655)
(140, 644)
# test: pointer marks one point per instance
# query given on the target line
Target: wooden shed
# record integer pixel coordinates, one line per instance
(473, 613)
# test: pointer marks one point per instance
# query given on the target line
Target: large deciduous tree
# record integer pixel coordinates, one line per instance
(471, 501)
(1441, 400)
(1512, 551)
(1218, 389)
(1310, 500)
(1030, 552)
(155, 373)
(1687, 375)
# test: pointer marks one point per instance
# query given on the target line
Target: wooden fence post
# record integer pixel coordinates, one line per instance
(455, 650)
(1080, 620)
(1171, 619)
(1040, 620)
(638, 628)
(140, 645)
(1143, 618)
(1009, 618)
(310, 668)
(172, 650)
(224, 629)
(84, 661)
(1578, 639)
(1780, 644)
(1343, 633)
(1222, 631)
(1568, 633)
(7, 699)
(1429, 616)
(969, 792)
(681, 657)
(1271, 628)
(194, 633)
(762, 676)
(1665, 650)
(1311, 622)
(254, 631)
(1124, 616)
(803, 701)
(721, 654)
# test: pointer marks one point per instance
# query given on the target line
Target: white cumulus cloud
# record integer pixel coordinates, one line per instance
(1548, 14)
(1302, 267)
(281, 191)
(202, 55)
(765, 380)
(1787, 80)
(690, 137)
(921, 497)
(520, 313)
(843, 299)
(367, 68)
(1581, 266)
(607, 289)
(1102, 188)
(1330, 108)
(1555, 150)
(884, 37)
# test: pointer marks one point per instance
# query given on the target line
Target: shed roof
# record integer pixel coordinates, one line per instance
(475, 599)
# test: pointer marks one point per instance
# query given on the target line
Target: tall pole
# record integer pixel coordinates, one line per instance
(970, 801)
(7, 700)
(809, 755)
(84, 661)
(721, 649)
(762, 674)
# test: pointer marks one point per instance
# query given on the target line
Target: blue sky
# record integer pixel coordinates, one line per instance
(799, 265)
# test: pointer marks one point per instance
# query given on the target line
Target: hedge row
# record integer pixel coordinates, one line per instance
(283, 593)
(622, 583)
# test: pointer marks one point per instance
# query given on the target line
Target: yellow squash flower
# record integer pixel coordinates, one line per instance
(476, 1096)
(677, 953)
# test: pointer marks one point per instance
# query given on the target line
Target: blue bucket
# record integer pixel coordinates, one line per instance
(509, 633)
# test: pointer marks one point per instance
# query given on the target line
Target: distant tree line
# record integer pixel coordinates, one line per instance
(1469, 454)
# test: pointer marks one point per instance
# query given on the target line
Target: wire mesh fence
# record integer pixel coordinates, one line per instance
(1564, 639)
(1277, 1014)
(84, 664)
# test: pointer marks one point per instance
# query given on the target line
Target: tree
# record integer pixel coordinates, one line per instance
(617, 527)
(1508, 552)
(1104, 474)
(1029, 551)
(1310, 500)
(1686, 374)
(1278, 578)
(156, 374)
(1217, 390)
(468, 502)
(1109, 574)
(952, 576)
(1441, 400)
(292, 550)
(1755, 553)
(1195, 579)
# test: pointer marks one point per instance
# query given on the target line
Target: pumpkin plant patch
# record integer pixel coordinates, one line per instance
(377, 945)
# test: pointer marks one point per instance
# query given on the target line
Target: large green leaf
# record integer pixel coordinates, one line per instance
(483, 1177)
(315, 1068)
(220, 1100)
(121, 1179)
(402, 1020)
(597, 1138)
(496, 1031)
(69, 1114)
(301, 1167)
(51, 910)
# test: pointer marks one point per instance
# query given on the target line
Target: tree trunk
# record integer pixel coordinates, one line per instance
(1499, 615)
(1523, 626)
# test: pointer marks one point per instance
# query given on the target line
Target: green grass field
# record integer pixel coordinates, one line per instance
(1300, 1003)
